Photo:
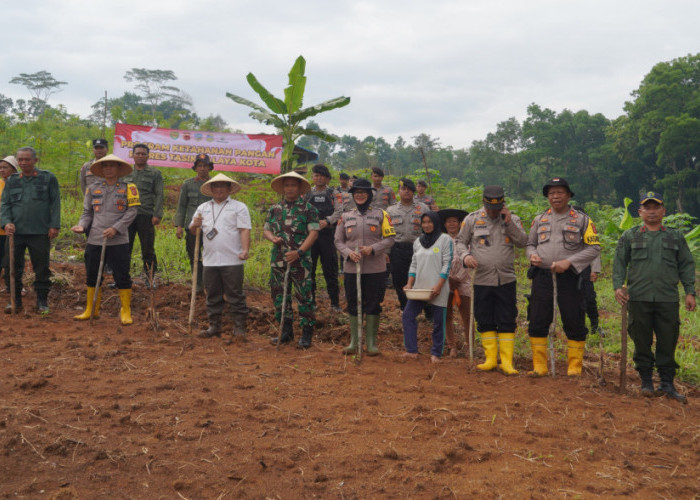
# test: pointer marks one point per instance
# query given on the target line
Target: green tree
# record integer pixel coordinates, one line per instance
(155, 89)
(287, 115)
(41, 85)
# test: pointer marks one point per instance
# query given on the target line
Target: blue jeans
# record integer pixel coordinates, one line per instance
(410, 327)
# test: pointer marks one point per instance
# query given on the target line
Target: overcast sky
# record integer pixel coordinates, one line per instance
(451, 69)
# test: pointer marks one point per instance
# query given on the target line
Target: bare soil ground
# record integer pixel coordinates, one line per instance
(104, 411)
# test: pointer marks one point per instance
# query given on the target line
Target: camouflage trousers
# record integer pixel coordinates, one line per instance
(300, 277)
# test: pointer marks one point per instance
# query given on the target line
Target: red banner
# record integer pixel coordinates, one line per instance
(259, 153)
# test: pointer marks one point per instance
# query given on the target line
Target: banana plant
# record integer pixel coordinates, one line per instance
(287, 114)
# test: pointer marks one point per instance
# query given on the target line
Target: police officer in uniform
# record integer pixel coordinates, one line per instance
(149, 182)
(99, 149)
(653, 259)
(31, 210)
(563, 241)
(109, 208)
(322, 197)
(364, 235)
(292, 226)
(423, 197)
(405, 217)
(344, 183)
(486, 243)
(382, 196)
(190, 198)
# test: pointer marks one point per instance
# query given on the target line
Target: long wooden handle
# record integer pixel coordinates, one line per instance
(358, 270)
(195, 275)
(98, 283)
(12, 272)
(623, 350)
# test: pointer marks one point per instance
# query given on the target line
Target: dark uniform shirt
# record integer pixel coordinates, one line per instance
(32, 203)
(149, 182)
(292, 222)
(657, 261)
(190, 198)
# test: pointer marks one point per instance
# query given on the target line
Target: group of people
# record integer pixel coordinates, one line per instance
(444, 256)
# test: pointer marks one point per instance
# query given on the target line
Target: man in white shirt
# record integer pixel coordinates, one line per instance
(225, 225)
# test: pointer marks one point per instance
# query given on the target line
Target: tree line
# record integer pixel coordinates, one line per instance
(653, 145)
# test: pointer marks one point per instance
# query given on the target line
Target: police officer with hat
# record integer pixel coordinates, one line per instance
(487, 243)
(562, 241)
(190, 198)
(653, 259)
(99, 149)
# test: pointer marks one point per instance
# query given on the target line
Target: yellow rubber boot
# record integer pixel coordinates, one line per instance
(88, 306)
(539, 357)
(574, 353)
(506, 343)
(489, 341)
(125, 312)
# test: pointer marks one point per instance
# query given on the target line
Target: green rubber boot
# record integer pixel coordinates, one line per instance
(372, 327)
(353, 336)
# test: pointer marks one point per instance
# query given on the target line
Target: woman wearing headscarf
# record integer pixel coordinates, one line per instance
(430, 269)
(364, 235)
(8, 166)
(459, 281)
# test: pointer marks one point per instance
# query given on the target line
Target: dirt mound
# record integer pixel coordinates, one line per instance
(101, 410)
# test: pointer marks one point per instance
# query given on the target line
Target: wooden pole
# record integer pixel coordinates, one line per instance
(98, 284)
(471, 322)
(553, 328)
(195, 276)
(284, 304)
(358, 270)
(13, 285)
(623, 347)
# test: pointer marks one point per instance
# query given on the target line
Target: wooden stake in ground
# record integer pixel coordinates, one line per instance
(195, 277)
(623, 347)
(98, 284)
(601, 373)
(284, 304)
(553, 327)
(13, 286)
(358, 270)
(471, 322)
(152, 313)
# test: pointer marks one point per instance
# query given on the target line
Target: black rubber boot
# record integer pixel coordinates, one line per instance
(306, 335)
(287, 333)
(42, 301)
(647, 383)
(667, 387)
(214, 330)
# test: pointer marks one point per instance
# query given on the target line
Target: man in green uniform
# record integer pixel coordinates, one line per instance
(149, 182)
(190, 198)
(654, 259)
(292, 226)
(31, 211)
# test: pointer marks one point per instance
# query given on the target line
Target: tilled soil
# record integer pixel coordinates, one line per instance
(97, 410)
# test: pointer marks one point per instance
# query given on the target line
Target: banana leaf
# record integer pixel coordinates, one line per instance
(245, 102)
(627, 221)
(276, 105)
(294, 93)
(305, 113)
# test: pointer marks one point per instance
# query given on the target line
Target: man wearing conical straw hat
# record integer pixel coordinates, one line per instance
(225, 225)
(109, 207)
(292, 226)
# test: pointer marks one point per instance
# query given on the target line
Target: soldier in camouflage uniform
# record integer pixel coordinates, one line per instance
(292, 226)
(109, 208)
(31, 210)
(190, 198)
(149, 182)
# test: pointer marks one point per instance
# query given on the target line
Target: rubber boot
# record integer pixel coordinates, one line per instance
(42, 301)
(666, 386)
(372, 327)
(307, 333)
(539, 357)
(489, 340)
(506, 344)
(647, 383)
(88, 306)
(214, 330)
(125, 311)
(287, 332)
(574, 353)
(240, 325)
(353, 336)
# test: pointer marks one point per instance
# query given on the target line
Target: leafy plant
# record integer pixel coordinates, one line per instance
(287, 114)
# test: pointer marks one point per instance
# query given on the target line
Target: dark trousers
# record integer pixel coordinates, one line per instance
(225, 284)
(372, 286)
(119, 259)
(190, 240)
(401, 255)
(569, 298)
(324, 247)
(410, 327)
(590, 297)
(647, 318)
(495, 308)
(144, 228)
(39, 247)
